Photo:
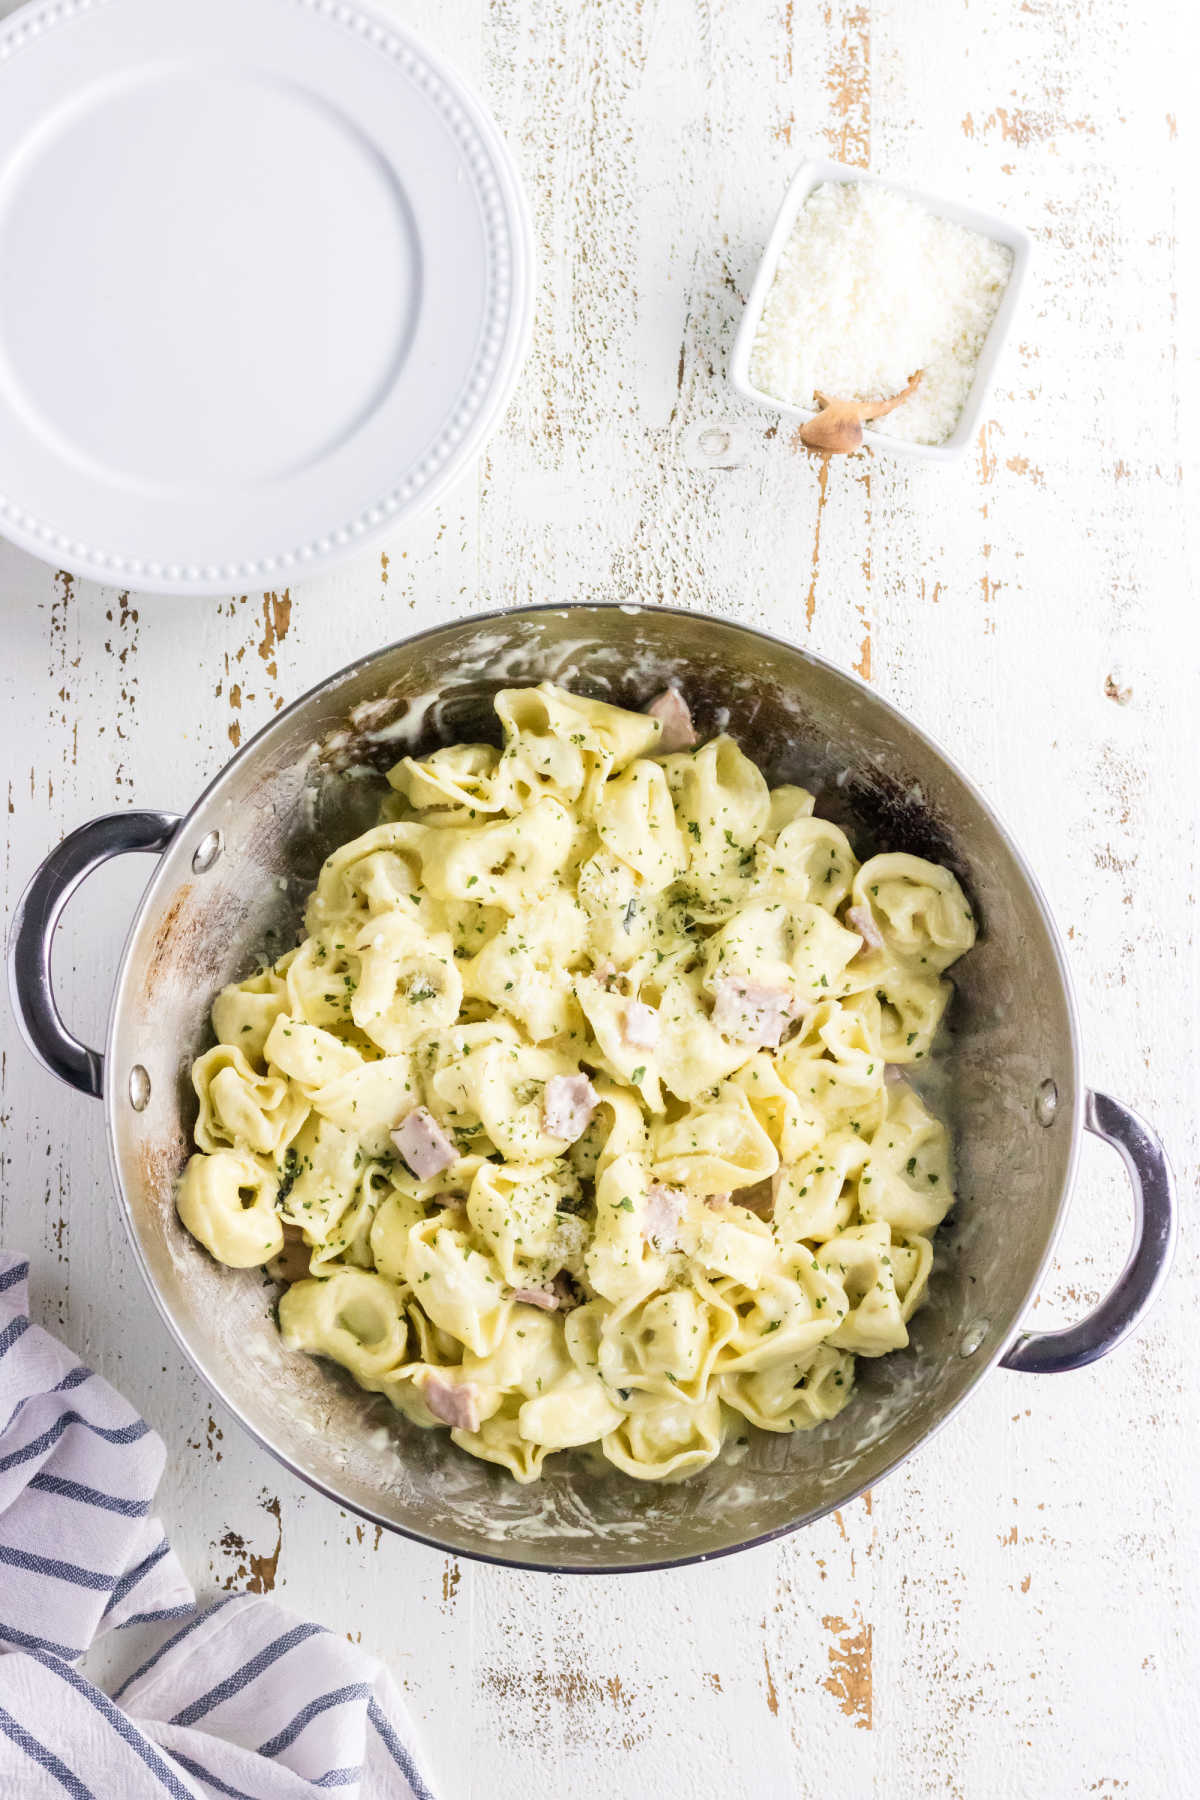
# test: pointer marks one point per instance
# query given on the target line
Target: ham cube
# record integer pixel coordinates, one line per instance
(674, 715)
(424, 1145)
(639, 1027)
(455, 1403)
(665, 1207)
(752, 1014)
(859, 919)
(568, 1105)
(546, 1298)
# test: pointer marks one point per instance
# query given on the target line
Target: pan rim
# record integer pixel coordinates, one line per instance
(1004, 1340)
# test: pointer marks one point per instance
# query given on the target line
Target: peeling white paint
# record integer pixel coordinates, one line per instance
(1016, 1613)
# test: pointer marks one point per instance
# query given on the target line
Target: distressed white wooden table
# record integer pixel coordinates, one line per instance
(1016, 1612)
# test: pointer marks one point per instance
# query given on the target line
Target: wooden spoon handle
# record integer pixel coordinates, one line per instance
(886, 406)
(872, 409)
(837, 428)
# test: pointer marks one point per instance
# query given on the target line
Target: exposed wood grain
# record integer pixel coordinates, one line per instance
(1015, 1613)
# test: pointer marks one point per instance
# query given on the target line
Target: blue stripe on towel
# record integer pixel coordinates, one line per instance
(335, 1778)
(202, 1774)
(157, 1618)
(116, 1434)
(130, 1581)
(16, 1412)
(22, 1640)
(144, 1668)
(357, 1690)
(76, 1378)
(38, 1753)
(125, 1730)
(16, 1328)
(13, 1277)
(50, 1565)
(73, 1378)
(46, 1483)
(396, 1750)
(233, 1684)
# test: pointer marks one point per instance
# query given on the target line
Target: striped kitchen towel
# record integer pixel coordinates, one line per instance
(241, 1700)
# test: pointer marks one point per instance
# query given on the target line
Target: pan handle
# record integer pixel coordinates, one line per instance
(1138, 1285)
(36, 920)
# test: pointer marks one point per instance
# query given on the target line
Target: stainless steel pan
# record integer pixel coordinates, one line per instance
(230, 881)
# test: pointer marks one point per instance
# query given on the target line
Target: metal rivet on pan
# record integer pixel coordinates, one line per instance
(972, 1337)
(207, 852)
(139, 1088)
(1045, 1104)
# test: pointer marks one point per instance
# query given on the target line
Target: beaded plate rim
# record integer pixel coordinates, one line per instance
(499, 356)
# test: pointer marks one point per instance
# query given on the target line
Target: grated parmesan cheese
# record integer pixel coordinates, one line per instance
(869, 288)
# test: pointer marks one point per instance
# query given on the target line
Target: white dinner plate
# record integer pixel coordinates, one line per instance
(265, 284)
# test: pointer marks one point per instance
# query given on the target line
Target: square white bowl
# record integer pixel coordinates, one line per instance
(810, 175)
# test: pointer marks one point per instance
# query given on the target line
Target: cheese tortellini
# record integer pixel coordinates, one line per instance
(580, 1117)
